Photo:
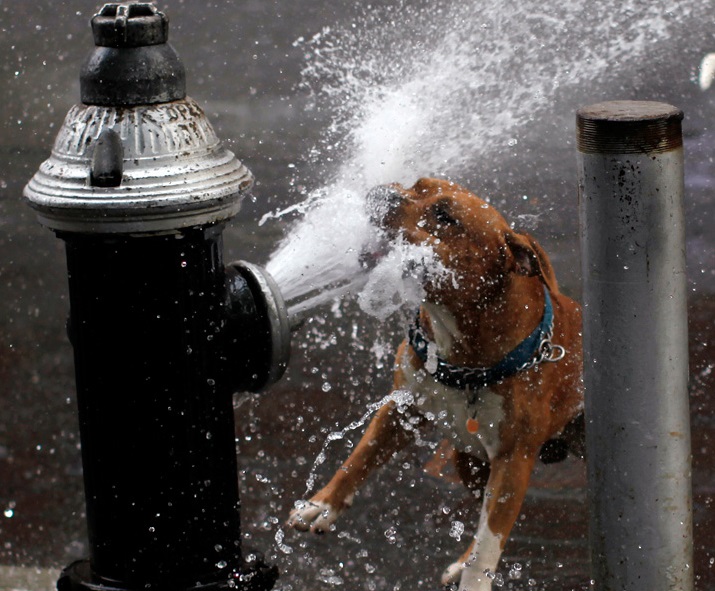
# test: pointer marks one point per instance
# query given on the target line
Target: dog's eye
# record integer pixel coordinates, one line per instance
(443, 214)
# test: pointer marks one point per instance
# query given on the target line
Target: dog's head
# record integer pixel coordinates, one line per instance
(470, 238)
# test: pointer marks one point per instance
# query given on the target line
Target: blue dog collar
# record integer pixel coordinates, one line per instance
(532, 350)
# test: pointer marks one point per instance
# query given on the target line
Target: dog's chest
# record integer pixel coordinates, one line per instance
(470, 420)
(456, 413)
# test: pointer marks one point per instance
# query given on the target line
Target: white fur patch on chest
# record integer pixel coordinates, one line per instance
(449, 409)
(444, 327)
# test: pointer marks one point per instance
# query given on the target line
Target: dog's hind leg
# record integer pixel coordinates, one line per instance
(474, 473)
(575, 436)
(384, 436)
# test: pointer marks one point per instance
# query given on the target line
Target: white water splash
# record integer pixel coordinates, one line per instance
(401, 398)
(323, 250)
(396, 281)
(444, 89)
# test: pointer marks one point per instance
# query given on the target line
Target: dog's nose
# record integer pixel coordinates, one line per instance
(382, 201)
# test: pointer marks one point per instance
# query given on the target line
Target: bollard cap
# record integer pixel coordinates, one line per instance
(629, 127)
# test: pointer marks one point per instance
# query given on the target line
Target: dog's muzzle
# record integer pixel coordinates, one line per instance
(382, 202)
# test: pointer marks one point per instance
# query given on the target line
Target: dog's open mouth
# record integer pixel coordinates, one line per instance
(372, 254)
(417, 261)
(398, 274)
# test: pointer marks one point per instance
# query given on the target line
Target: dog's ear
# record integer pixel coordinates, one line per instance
(530, 259)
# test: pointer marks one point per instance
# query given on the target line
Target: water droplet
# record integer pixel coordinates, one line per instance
(456, 530)
(327, 575)
(515, 571)
(221, 564)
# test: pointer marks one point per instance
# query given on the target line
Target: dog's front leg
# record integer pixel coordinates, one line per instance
(504, 495)
(384, 436)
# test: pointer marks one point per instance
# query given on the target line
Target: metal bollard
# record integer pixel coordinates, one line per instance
(630, 160)
(139, 187)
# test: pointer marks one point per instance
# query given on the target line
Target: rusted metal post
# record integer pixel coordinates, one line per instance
(635, 345)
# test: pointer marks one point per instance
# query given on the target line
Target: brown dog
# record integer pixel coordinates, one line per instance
(494, 358)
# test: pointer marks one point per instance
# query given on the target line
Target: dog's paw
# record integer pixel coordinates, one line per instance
(317, 517)
(452, 574)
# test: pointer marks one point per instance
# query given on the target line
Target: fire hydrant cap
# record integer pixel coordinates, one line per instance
(132, 63)
(150, 168)
(138, 156)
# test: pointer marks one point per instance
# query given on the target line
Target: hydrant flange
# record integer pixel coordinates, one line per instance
(174, 172)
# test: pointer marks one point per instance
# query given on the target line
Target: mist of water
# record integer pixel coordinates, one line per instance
(441, 89)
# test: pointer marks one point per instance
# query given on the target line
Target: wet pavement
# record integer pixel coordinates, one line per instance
(401, 533)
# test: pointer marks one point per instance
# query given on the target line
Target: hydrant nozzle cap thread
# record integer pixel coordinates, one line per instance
(629, 127)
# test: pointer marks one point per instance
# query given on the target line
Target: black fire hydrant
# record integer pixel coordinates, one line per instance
(139, 188)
